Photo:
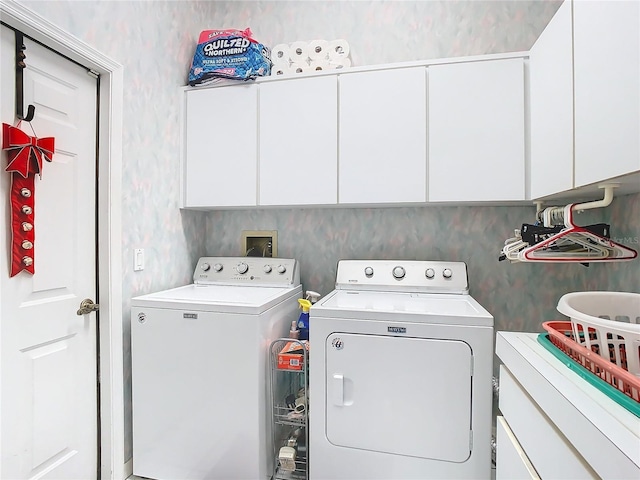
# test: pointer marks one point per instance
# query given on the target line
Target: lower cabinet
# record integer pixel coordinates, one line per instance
(547, 450)
(556, 425)
(512, 463)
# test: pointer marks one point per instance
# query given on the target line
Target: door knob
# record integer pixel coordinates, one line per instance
(87, 306)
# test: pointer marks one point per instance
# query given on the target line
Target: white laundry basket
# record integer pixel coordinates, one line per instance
(607, 323)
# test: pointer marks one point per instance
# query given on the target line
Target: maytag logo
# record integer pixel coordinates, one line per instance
(190, 315)
(396, 330)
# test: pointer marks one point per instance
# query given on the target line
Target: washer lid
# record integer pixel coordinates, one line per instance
(403, 306)
(218, 298)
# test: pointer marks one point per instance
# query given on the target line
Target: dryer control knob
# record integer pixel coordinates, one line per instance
(243, 267)
(282, 269)
(217, 267)
(368, 271)
(267, 269)
(205, 267)
(398, 272)
(446, 273)
(430, 273)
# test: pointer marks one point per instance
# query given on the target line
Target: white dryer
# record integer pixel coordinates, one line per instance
(400, 374)
(200, 370)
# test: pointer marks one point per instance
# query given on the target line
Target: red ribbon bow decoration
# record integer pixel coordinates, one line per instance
(25, 153)
(25, 156)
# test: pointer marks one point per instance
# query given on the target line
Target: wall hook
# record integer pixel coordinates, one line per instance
(20, 66)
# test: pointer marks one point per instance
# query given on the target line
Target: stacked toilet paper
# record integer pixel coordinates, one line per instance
(304, 57)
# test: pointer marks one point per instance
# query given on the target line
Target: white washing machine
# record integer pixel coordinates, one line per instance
(400, 374)
(200, 369)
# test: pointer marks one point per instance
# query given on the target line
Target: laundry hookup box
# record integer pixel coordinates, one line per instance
(291, 357)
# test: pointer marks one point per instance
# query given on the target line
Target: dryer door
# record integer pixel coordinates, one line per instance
(406, 396)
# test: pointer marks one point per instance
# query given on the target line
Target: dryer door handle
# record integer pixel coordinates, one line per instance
(338, 389)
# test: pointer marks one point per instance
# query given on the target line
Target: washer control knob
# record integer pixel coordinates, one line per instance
(217, 267)
(243, 267)
(398, 272)
(205, 267)
(267, 269)
(281, 269)
(368, 272)
(430, 273)
(446, 273)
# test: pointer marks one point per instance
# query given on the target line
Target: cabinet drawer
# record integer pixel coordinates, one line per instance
(551, 454)
(511, 460)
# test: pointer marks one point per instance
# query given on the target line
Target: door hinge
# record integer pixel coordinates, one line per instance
(93, 73)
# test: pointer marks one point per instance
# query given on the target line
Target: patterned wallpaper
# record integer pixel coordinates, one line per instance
(154, 40)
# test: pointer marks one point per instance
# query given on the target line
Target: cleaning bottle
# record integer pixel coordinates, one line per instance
(312, 296)
(303, 320)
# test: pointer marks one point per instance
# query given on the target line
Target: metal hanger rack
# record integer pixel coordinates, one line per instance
(556, 238)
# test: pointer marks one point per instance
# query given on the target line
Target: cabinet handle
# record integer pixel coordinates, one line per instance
(338, 389)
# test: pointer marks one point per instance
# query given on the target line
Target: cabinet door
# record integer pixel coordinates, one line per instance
(298, 141)
(221, 147)
(551, 106)
(607, 89)
(476, 131)
(556, 457)
(511, 460)
(382, 154)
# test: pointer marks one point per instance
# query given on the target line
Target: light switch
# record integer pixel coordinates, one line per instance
(138, 259)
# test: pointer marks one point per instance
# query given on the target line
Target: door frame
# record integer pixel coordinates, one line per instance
(112, 461)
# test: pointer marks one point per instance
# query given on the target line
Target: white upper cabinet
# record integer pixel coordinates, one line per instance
(298, 141)
(551, 107)
(382, 136)
(221, 149)
(607, 89)
(476, 131)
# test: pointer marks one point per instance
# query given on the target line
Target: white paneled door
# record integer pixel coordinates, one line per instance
(48, 402)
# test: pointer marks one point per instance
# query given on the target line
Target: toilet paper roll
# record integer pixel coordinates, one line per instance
(300, 67)
(318, 49)
(338, 49)
(281, 69)
(319, 65)
(280, 54)
(340, 63)
(299, 51)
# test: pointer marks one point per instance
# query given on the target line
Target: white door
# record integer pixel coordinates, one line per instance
(399, 395)
(298, 138)
(221, 150)
(48, 402)
(383, 136)
(477, 131)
